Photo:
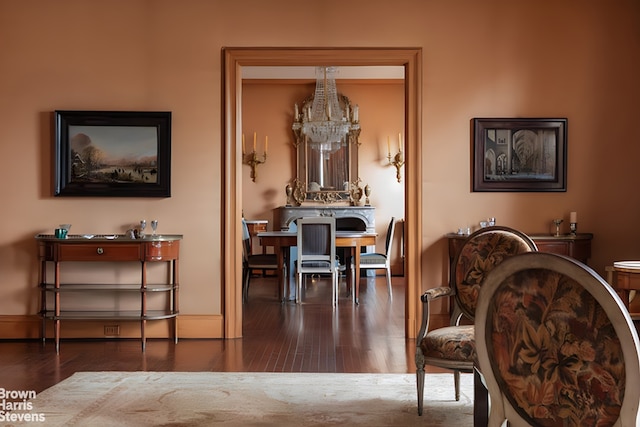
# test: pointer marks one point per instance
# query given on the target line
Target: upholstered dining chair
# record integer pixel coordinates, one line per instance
(252, 262)
(380, 261)
(453, 347)
(556, 345)
(316, 243)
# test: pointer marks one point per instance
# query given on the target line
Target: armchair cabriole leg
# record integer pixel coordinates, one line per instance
(420, 385)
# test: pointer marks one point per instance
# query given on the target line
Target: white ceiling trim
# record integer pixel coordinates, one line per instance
(373, 72)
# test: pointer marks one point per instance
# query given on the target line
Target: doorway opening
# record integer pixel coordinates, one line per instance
(234, 60)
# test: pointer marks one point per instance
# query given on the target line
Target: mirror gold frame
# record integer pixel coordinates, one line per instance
(233, 61)
(303, 190)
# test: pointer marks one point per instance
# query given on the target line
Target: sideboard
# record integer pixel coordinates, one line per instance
(116, 250)
(575, 246)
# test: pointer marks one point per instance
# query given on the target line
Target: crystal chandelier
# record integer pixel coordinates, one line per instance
(324, 123)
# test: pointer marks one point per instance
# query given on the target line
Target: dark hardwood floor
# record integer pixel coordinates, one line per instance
(310, 337)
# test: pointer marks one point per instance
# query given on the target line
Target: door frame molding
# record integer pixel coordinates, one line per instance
(234, 58)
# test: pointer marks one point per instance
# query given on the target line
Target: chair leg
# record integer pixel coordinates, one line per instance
(335, 276)
(389, 281)
(285, 282)
(353, 284)
(333, 290)
(420, 384)
(356, 287)
(246, 275)
(480, 401)
(298, 287)
(456, 383)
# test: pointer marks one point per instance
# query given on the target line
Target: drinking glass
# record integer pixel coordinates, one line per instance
(154, 225)
(557, 223)
(143, 225)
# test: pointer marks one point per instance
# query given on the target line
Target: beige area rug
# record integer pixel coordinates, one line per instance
(251, 399)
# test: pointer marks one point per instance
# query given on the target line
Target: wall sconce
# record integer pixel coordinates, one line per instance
(252, 158)
(398, 159)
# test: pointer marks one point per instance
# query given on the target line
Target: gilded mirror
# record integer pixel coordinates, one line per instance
(326, 128)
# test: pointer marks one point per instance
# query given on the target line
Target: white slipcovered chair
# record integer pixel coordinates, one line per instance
(316, 244)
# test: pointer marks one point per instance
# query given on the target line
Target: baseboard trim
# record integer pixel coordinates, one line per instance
(189, 326)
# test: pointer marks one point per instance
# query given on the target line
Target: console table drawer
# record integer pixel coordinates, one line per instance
(162, 250)
(99, 252)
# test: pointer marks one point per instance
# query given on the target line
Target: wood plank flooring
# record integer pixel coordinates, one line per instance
(278, 337)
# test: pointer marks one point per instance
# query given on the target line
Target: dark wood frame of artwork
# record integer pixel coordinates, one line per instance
(519, 154)
(101, 168)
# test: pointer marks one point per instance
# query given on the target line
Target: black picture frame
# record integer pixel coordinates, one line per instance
(519, 154)
(112, 153)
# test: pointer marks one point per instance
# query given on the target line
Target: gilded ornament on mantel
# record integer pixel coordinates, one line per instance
(356, 192)
(297, 194)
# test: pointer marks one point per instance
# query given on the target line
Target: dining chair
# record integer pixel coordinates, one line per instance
(556, 345)
(316, 244)
(379, 261)
(453, 347)
(252, 262)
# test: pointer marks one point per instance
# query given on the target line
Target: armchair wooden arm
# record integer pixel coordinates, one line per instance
(426, 298)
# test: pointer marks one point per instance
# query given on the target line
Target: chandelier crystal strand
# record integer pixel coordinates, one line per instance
(326, 126)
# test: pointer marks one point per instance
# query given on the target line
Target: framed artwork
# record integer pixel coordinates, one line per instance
(112, 153)
(519, 154)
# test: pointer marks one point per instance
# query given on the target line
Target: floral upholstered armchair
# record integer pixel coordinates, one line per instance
(453, 347)
(556, 346)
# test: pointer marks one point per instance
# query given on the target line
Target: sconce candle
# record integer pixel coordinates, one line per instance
(266, 143)
(389, 146)
(254, 140)
(400, 142)
(573, 217)
(243, 151)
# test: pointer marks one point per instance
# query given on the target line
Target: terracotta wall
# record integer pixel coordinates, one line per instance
(495, 58)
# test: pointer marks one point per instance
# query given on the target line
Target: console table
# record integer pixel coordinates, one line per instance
(115, 249)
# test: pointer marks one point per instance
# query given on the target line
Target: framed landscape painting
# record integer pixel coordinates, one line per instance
(113, 153)
(521, 154)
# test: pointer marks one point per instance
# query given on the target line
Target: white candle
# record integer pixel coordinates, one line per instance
(573, 217)
(254, 141)
(266, 143)
(388, 145)
(400, 142)
(243, 143)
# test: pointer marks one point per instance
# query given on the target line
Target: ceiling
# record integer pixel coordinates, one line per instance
(363, 72)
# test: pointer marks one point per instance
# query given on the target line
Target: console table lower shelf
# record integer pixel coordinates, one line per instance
(116, 250)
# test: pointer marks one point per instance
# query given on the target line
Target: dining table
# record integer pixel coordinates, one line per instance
(283, 241)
